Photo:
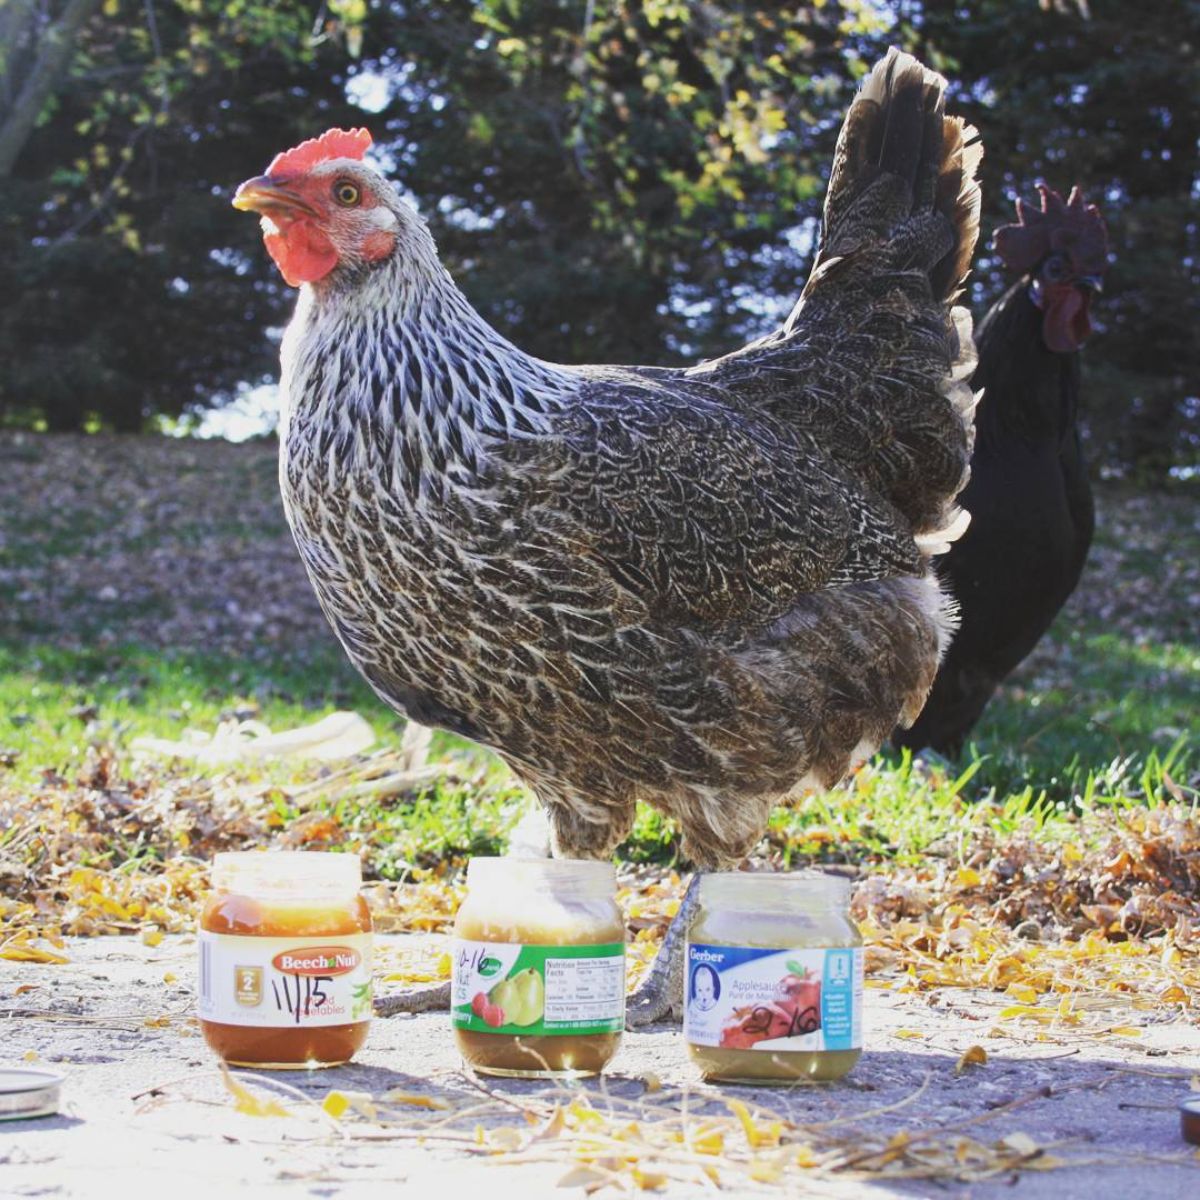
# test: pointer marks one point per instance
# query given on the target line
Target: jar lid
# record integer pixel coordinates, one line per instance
(26, 1093)
(774, 888)
(286, 871)
(578, 874)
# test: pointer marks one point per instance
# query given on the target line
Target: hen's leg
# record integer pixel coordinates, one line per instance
(660, 995)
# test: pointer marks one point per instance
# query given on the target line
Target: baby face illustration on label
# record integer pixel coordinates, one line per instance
(705, 988)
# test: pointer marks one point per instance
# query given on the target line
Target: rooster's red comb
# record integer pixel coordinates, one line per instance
(1073, 225)
(334, 143)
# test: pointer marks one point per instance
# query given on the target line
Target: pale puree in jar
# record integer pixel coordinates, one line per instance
(773, 987)
(285, 960)
(538, 967)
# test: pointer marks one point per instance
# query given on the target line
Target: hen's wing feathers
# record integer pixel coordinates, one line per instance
(822, 455)
(873, 360)
(715, 519)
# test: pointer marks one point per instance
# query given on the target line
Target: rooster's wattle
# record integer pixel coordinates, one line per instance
(705, 588)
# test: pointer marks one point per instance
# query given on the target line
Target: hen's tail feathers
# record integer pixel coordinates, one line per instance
(899, 157)
(903, 197)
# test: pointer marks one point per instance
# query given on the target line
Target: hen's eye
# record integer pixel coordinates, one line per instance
(346, 193)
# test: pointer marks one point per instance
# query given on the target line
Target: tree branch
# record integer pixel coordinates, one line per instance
(56, 49)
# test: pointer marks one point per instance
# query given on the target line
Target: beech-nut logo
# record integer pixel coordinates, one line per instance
(318, 960)
(488, 966)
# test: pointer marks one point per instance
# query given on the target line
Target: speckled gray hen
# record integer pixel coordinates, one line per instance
(704, 588)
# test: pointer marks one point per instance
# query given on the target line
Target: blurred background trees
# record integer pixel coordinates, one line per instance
(610, 179)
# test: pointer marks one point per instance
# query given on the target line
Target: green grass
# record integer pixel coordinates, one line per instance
(1102, 716)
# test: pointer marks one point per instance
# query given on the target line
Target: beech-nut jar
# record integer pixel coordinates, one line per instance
(285, 960)
(538, 978)
(773, 984)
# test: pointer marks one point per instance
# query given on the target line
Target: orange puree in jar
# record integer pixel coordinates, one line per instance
(539, 968)
(285, 960)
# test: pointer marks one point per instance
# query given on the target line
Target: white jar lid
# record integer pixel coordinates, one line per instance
(26, 1093)
(291, 872)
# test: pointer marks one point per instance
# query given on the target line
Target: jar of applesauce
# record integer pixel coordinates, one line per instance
(773, 990)
(285, 960)
(538, 968)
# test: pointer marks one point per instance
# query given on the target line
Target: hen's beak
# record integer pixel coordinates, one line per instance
(1093, 283)
(266, 195)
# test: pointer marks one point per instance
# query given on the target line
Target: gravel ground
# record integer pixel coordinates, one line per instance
(1111, 1100)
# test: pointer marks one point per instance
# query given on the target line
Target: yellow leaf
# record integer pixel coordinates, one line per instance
(336, 1104)
(1022, 992)
(23, 952)
(765, 1170)
(967, 877)
(708, 1140)
(152, 936)
(739, 1110)
(1126, 1031)
(443, 966)
(170, 977)
(396, 1096)
(972, 1056)
(1027, 1010)
(157, 1022)
(30, 1056)
(587, 1177)
(247, 1103)
(909, 1033)
(649, 1181)
(505, 1138)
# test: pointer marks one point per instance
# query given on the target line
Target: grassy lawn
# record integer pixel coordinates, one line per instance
(149, 586)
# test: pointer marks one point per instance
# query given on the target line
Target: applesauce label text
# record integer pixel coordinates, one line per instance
(745, 998)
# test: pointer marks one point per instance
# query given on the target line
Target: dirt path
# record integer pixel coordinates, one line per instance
(88, 1019)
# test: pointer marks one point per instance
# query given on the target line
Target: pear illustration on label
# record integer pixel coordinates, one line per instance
(522, 998)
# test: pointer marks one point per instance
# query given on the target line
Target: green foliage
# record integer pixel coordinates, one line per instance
(634, 180)
(136, 290)
(1111, 102)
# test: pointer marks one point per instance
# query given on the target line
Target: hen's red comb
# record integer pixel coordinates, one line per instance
(334, 143)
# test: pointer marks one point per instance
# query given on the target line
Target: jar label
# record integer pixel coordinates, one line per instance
(277, 982)
(538, 991)
(745, 998)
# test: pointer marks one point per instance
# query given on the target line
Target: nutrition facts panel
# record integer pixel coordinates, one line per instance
(585, 989)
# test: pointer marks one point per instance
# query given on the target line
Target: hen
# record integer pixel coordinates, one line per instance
(706, 588)
(1029, 497)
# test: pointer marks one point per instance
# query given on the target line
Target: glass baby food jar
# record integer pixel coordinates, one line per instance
(285, 960)
(538, 968)
(773, 990)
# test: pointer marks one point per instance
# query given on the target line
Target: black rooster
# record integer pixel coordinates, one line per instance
(1029, 497)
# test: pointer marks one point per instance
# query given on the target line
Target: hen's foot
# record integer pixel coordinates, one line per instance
(427, 999)
(659, 996)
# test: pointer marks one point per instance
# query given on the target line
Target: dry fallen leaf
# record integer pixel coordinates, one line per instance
(972, 1056)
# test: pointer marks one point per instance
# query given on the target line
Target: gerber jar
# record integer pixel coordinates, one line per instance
(774, 979)
(538, 968)
(285, 960)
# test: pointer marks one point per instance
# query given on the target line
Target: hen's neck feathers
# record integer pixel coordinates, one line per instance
(398, 354)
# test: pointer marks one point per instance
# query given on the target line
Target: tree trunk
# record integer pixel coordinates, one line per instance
(54, 53)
